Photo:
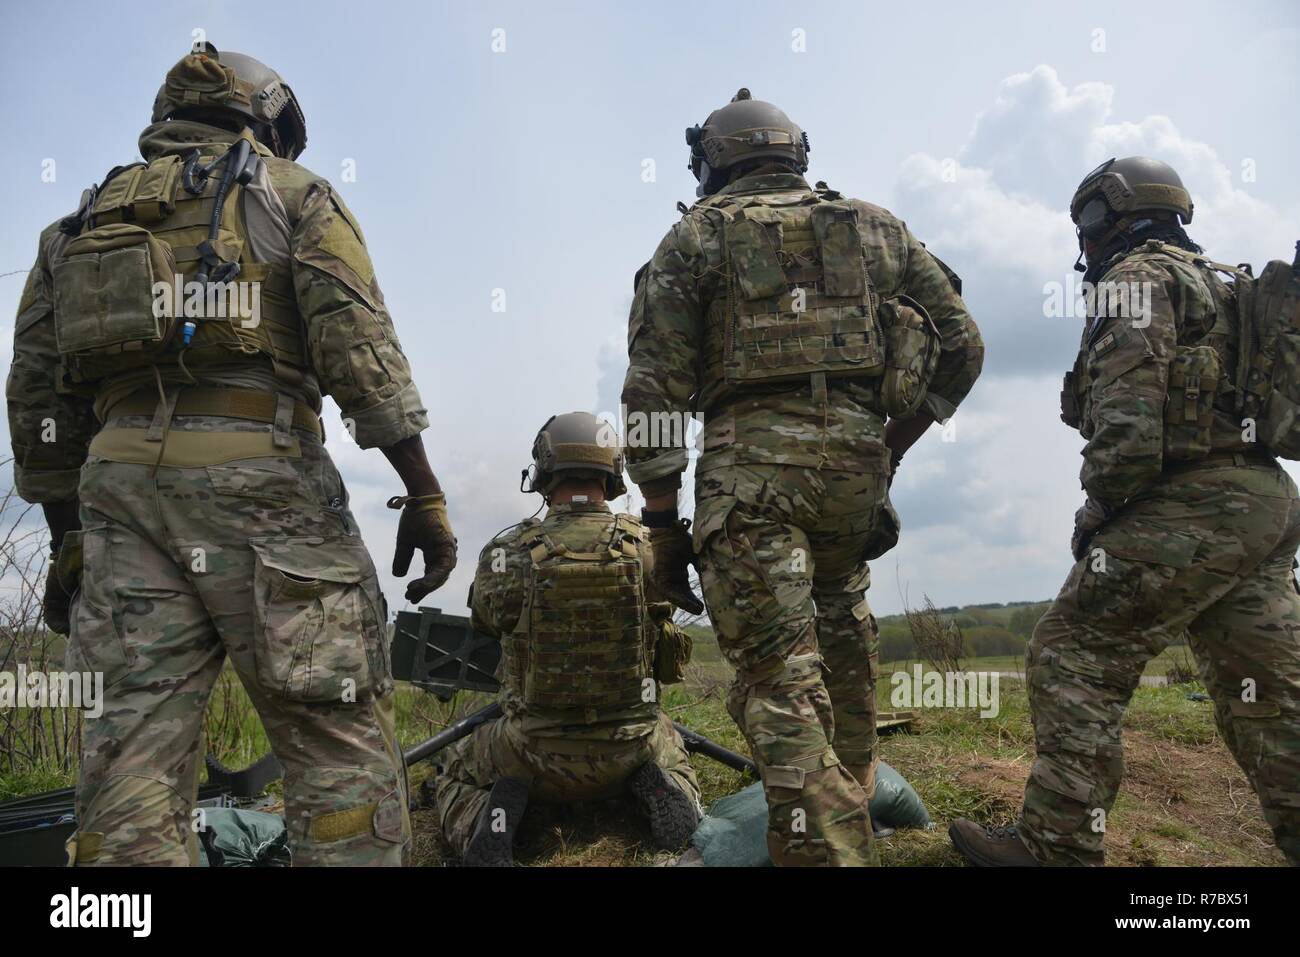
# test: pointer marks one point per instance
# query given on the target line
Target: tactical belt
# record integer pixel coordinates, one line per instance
(1249, 459)
(233, 403)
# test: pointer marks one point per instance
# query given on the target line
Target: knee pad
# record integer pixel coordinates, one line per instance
(132, 819)
(347, 816)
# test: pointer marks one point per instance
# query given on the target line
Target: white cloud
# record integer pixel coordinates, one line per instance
(1007, 206)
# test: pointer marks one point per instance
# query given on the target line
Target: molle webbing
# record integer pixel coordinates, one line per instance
(582, 647)
(232, 403)
(797, 301)
(139, 194)
(154, 197)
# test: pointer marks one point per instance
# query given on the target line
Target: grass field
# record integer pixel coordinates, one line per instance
(1184, 801)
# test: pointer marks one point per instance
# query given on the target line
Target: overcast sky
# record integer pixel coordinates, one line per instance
(550, 169)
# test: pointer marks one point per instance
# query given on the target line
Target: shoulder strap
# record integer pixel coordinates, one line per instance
(1197, 259)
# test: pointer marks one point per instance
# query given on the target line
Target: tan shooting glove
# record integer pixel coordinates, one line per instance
(673, 556)
(424, 525)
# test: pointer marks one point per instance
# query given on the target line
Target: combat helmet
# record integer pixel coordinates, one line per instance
(576, 445)
(1120, 188)
(745, 129)
(205, 81)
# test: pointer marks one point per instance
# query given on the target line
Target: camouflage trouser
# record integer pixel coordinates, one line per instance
(247, 560)
(781, 562)
(1209, 553)
(557, 770)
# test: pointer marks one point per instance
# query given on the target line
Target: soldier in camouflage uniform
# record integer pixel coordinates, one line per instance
(816, 339)
(1189, 528)
(177, 452)
(584, 658)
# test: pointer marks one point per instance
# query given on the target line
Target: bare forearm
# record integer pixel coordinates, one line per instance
(902, 434)
(409, 461)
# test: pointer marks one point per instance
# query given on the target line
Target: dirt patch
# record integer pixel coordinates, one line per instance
(1178, 806)
(1002, 782)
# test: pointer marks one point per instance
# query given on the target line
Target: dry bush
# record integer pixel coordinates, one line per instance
(939, 641)
(1183, 669)
(32, 740)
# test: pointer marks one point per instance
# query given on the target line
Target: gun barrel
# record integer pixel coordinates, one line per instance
(453, 733)
(697, 743)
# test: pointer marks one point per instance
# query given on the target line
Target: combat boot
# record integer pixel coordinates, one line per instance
(672, 814)
(985, 846)
(492, 843)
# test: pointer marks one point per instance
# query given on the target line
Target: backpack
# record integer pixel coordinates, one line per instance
(1267, 376)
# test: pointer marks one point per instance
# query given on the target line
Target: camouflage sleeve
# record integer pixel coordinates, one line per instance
(498, 594)
(1128, 360)
(663, 336)
(50, 427)
(962, 355)
(350, 337)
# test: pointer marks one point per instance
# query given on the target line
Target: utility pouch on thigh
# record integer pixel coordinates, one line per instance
(1194, 377)
(320, 623)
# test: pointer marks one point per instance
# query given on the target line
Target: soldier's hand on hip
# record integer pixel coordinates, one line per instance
(1087, 522)
(424, 525)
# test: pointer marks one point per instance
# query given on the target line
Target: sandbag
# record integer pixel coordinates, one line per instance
(235, 838)
(896, 803)
(734, 832)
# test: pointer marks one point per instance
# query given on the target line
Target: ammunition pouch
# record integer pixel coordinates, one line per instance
(1194, 377)
(673, 647)
(1071, 412)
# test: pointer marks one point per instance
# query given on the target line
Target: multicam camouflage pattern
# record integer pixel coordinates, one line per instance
(778, 425)
(1115, 396)
(558, 770)
(247, 560)
(585, 643)
(791, 499)
(781, 555)
(302, 228)
(563, 757)
(1203, 548)
(1207, 552)
(254, 557)
(501, 587)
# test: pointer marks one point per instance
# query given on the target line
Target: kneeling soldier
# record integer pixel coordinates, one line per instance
(584, 657)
